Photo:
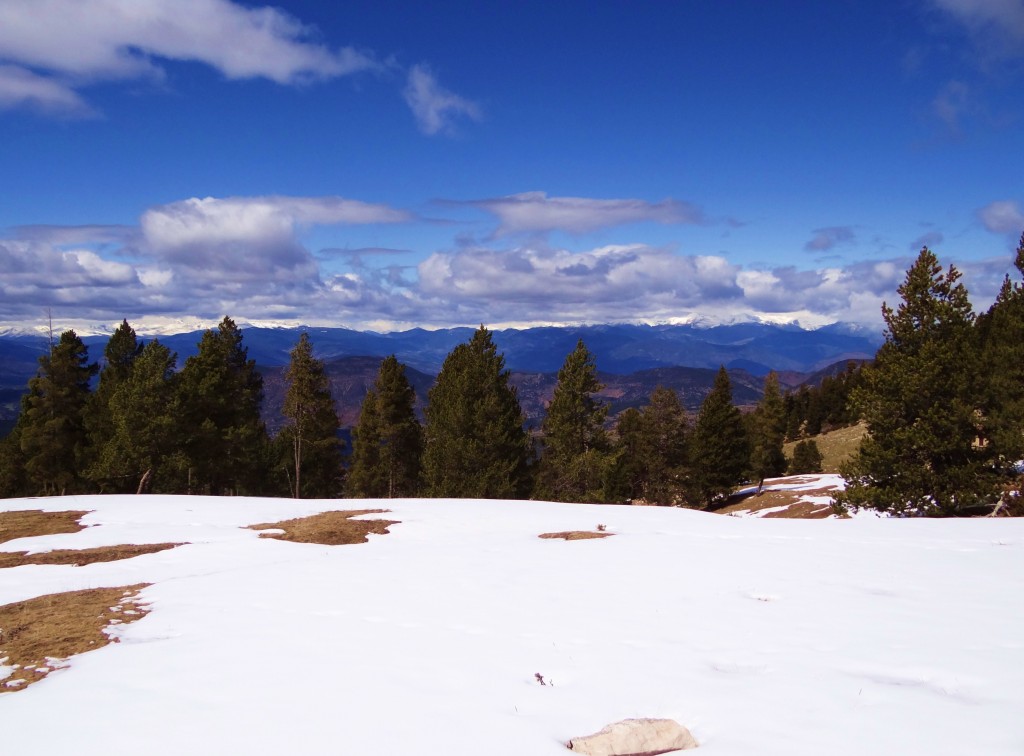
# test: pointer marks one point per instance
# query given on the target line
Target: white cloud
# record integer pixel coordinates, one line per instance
(22, 88)
(534, 212)
(69, 43)
(436, 109)
(105, 39)
(1002, 217)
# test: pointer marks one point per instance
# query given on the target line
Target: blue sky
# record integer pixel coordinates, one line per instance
(392, 164)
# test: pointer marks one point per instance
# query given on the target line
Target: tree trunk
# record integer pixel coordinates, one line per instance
(144, 482)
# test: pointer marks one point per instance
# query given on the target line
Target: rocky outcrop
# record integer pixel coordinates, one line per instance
(635, 737)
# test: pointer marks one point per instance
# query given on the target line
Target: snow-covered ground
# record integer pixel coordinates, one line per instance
(863, 636)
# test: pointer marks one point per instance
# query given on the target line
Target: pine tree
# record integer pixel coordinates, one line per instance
(120, 354)
(720, 451)
(53, 435)
(664, 442)
(475, 444)
(138, 455)
(806, 458)
(576, 451)
(388, 441)
(627, 476)
(767, 460)
(219, 397)
(313, 428)
(12, 465)
(918, 400)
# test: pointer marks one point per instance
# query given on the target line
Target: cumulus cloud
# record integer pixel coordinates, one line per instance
(435, 108)
(533, 212)
(825, 239)
(1002, 217)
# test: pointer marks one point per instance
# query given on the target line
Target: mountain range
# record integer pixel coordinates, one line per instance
(631, 359)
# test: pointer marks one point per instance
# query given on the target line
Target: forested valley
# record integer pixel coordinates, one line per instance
(943, 402)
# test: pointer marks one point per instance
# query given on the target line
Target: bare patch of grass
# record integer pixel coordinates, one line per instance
(81, 557)
(576, 535)
(836, 446)
(797, 506)
(38, 635)
(328, 528)
(35, 522)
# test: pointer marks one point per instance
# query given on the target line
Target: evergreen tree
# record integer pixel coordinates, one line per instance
(720, 451)
(806, 458)
(387, 443)
(219, 397)
(53, 435)
(663, 447)
(120, 354)
(139, 455)
(918, 400)
(576, 452)
(12, 465)
(1001, 373)
(313, 428)
(627, 475)
(475, 444)
(767, 459)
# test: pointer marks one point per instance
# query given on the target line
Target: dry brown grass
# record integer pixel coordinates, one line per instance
(35, 522)
(575, 535)
(38, 634)
(81, 557)
(328, 528)
(797, 508)
(835, 446)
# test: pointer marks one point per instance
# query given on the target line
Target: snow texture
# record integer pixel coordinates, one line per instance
(881, 636)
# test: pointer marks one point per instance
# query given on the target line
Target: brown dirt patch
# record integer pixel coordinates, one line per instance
(80, 557)
(38, 634)
(797, 507)
(575, 535)
(35, 522)
(328, 528)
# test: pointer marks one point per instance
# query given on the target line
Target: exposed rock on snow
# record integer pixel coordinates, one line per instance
(635, 737)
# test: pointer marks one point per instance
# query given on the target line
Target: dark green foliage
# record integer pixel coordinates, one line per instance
(219, 399)
(52, 426)
(139, 453)
(120, 354)
(627, 476)
(767, 460)
(918, 400)
(12, 465)
(720, 451)
(575, 456)
(813, 409)
(806, 458)
(475, 444)
(651, 459)
(387, 444)
(1001, 392)
(311, 435)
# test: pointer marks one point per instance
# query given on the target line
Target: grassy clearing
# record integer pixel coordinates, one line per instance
(328, 528)
(81, 557)
(795, 502)
(35, 522)
(37, 635)
(835, 446)
(575, 535)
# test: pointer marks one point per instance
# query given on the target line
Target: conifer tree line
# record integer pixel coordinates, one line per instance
(943, 403)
